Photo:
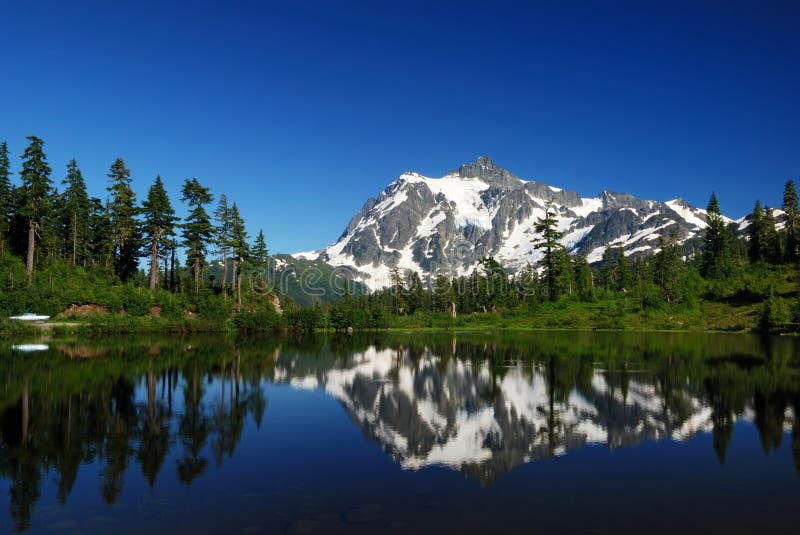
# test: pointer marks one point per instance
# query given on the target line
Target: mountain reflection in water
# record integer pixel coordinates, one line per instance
(482, 410)
(479, 404)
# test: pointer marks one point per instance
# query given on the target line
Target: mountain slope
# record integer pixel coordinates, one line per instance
(445, 225)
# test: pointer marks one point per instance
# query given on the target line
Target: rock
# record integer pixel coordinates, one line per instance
(276, 304)
(83, 310)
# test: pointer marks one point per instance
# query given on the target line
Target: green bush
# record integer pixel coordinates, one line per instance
(136, 301)
(172, 307)
(775, 315)
(211, 306)
(305, 319)
(264, 321)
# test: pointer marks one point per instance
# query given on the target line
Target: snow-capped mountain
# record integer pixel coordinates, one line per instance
(445, 225)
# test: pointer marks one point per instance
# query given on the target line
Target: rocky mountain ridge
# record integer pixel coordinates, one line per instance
(445, 225)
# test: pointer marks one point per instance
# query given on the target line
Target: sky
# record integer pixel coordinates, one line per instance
(300, 111)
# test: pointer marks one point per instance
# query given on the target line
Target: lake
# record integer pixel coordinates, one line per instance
(546, 432)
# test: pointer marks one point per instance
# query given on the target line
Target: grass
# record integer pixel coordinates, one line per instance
(616, 314)
(601, 315)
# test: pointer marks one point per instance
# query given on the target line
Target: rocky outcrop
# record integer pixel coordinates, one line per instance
(276, 304)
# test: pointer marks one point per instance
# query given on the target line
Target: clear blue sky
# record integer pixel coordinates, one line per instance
(299, 111)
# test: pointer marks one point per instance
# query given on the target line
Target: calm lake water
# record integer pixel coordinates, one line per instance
(420, 433)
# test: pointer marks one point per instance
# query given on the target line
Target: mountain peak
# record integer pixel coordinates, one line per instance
(445, 225)
(488, 171)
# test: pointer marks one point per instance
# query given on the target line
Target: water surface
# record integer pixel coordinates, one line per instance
(472, 433)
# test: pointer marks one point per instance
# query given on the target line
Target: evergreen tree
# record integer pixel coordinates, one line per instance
(564, 276)
(398, 291)
(158, 224)
(5, 196)
(239, 249)
(122, 214)
(668, 267)
(51, 246)
(608, 270)
(771, 240)
(716, 254)
(101, 244)
(443, 294)
(260, 252)
(415, 294)
(583, 277)
(76, 214)
(495, 282)
(197, 228)
(35, 194)
(757, 250)
(527, 284)
(548, 242)
(792, 228)
(222, 237)
(623, 270)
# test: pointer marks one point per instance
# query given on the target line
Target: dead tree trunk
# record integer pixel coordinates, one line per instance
(154, 264)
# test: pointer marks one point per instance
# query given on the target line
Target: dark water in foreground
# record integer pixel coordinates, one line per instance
(465, 433)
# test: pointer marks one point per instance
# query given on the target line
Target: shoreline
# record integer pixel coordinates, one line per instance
(147, 326)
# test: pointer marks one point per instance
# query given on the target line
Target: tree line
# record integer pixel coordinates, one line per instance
(97, 246)
(44, 225)
(733, 267)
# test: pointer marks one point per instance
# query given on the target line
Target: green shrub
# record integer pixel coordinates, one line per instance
(775, 315)
(264, 321)
(305, 319)
(136, 301)
(211, 306)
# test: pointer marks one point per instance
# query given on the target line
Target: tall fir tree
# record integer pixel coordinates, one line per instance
(608, 271)
(415, 294)
(548, 241)
(122, 214)
(397, 290)
(584, 279)
(240, 250)
(668, 267)
(757, 247)
(623, 270)
(222, 237)
(5, 197)
(260, 253)
(197, 227)
(772, 241)
(158, 225)
(101, 243)
(564, 276)
(75, 226)
(443, 295)
(527, 283)
(35, 195)
(716, 254)
(792, 225)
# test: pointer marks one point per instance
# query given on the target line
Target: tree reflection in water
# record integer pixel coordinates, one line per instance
(480, 404)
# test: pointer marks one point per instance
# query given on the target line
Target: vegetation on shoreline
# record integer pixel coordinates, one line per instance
(73, 257)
